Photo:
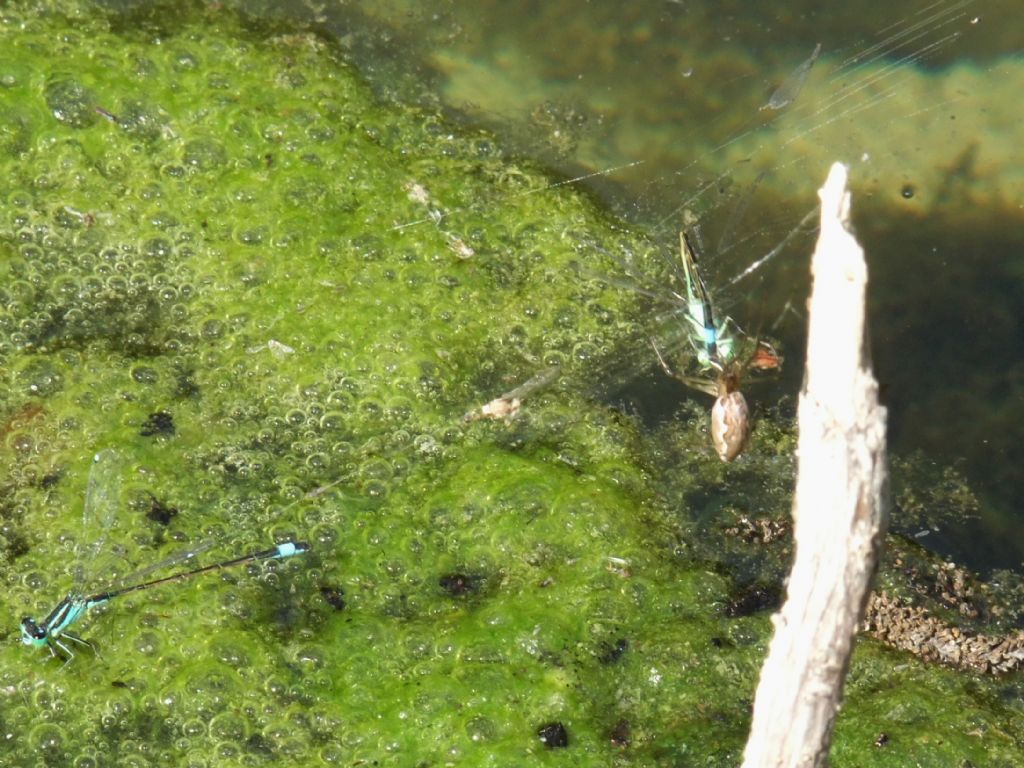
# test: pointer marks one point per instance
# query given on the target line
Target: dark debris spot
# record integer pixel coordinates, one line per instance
(553, 735)
(621, 735)
(459, 584)
(612, 652)
(159, 423)
(333, 596)
(751, 599)
(256, 744)
(186, 387)
(159, 512)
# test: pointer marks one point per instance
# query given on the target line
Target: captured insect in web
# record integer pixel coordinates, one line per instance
(722, 355)
(101, 505)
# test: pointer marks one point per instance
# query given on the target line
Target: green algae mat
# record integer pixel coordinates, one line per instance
(278, 299)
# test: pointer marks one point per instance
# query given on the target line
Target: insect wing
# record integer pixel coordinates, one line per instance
(699, 301)
(696, 292)
(102, 494)
(786, 93)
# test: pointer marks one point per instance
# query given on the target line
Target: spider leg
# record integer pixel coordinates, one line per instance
(700, 385)
(664, 365)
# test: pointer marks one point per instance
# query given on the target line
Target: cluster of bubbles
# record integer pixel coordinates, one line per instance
(61, 293)
(153, 308)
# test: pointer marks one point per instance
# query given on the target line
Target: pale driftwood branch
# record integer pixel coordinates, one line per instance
(838, 512)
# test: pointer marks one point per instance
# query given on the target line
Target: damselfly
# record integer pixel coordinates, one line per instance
(723, 355)
(101, 500)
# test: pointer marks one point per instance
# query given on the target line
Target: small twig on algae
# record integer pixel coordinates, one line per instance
(507, 406)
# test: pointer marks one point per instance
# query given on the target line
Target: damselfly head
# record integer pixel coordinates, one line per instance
(31, 633)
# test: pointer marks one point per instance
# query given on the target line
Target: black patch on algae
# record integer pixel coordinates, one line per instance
(621, 734)
(751, 599)
(333, 596)
(159, 512)
(459, 584)
(256, 744)
(159, 423)
(186, 387)
(612, 652)
(553, 735)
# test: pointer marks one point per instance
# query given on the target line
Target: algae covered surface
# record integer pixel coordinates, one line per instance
(277, 299)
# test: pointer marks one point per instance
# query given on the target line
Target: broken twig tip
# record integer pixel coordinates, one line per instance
(835, 200)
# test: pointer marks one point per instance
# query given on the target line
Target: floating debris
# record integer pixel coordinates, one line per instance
(459, 247)
(279, 349)
(913, 629)
(416, 192)
(786, 93)
(507, 406)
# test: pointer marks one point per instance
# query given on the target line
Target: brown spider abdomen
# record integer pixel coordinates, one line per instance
(730, 424)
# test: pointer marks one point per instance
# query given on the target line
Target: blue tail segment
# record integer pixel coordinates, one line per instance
(290, 548)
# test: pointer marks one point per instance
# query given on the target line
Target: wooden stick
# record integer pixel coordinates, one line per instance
(839, 520)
